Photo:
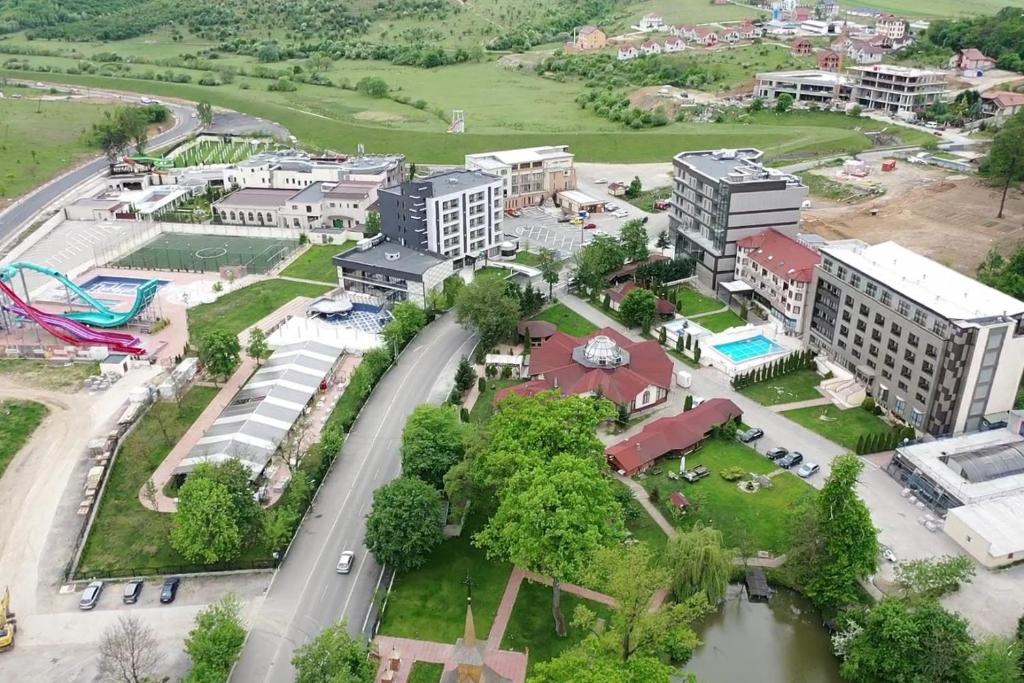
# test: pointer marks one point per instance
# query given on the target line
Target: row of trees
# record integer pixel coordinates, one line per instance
(794, 362)
(125, 127)
(883, 441)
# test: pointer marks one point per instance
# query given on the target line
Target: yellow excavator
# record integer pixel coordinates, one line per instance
(7, 622)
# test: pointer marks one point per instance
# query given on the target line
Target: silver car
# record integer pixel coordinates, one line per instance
(346, 561)
(91, 595)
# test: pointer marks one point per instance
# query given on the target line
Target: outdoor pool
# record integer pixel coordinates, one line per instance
(748, 349)
(112, 284)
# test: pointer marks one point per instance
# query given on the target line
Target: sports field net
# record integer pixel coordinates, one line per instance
(207, 253)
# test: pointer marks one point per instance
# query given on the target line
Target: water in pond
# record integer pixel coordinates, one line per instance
(781, 641)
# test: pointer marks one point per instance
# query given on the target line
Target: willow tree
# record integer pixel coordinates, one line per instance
(699, 562)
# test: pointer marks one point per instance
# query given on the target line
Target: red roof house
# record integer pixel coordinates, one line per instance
(971, 59)
(829, 60)
(780, 254)
(617, 294)
(680, 433)
(802, 46)
(633, 375)
(778, 270)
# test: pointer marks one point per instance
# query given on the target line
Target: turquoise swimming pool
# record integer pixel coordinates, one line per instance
(748, 349)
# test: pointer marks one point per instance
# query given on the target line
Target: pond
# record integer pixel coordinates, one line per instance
(781, 641)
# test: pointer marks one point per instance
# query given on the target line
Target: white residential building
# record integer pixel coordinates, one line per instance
(531, 175)
(896, 89)
(892, 27)
(295, 170)
(627, 52)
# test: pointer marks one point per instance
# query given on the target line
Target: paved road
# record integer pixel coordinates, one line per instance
(307, 595)
(21, 214)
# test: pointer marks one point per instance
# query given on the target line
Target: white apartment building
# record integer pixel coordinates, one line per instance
(530, 175)
(806, 85)
(892, 27)
(896, 89)
(342, 204)
(291, 169)
(778, 270)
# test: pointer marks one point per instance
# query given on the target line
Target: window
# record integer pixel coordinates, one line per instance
(930, 351)
(940, 328)
(846, 316)
(861, 325)
(879, 320)
(902, 385)
(901, 404)
(873, 350)
(909, 356)
(855, 352)
(920, 317)
(826, 265)
(858, 340)
(841, 344)
(844, 331)
(903, 308)
(916, 417)
(896, 329)
(864, 310)
(883, 393)
(887, 297)
(871, 364)
(855, 280)
(905, 372)
(892, 345)
(876, 335)
(872, 289)
(913, 339)
(848, 301)
(886, 374)
(889, 360)
(922, 383)
(927, 367)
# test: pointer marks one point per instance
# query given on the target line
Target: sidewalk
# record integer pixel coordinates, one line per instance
(809, 403)
(641, 496)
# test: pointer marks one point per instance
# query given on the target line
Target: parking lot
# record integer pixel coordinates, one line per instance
(539, 227)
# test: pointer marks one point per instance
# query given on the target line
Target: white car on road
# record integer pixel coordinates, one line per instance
(621, 213)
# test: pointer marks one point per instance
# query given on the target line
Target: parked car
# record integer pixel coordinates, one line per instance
(752, 434)
(91, 595)
(345, 562)
(170, 589)
(808, 469)
(132, 591)
(611, 206)
(661, 205)
(696, 474)
(776, 453)
(791, 460)
(590, 226)
(575, 220)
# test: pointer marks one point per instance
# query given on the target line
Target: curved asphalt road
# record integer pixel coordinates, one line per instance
(307, 595)
(16, 217)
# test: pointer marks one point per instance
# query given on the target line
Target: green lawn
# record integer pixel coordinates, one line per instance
(645, 200)
(430, 602)
(796, 386)
(532, 626)
(316, 263)
(719, 322)
(425, 672)
(18, 419)
(935, 8)
(492, 273)
(47, 375)
(527, 258)
(241, 308)
(750, 521)
(126, 538)
(643, 528)
(842, 426)
(691, 302)
(38, 139)
(484, 406)
(568, 320)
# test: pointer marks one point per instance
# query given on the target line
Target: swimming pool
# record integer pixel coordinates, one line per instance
(113, 284)
(747, 349)
(363, 317)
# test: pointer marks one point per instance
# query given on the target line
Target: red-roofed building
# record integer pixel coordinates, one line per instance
(779, 271)
(678, 434)
(1001, 104)
(617, 294)
(679, 501)
(705, 37)
(801, 14)
(801, 46)
(971, 59)
(632, 375)
(829, 60)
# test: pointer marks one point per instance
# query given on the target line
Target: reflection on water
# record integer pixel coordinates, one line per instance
(781, 641)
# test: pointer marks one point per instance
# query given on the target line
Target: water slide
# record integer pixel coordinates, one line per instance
(71, 331)
(102, 316)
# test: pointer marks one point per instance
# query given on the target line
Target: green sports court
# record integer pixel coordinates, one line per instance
(207, 253)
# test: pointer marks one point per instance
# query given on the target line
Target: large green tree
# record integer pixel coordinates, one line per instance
(590, 662)
(407, 321)
(551, 518)
(333, 657)
(639, 308)
(404, 524)
(486, 306)
(215, 642)
(219, 352)
(432, 443)
(699, 563)
(550, 267)
(593, 262)
(258, 349)
(1005, 161)
(204, 527)
(633, 237)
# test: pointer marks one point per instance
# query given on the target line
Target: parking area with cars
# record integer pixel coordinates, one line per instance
(550, 228)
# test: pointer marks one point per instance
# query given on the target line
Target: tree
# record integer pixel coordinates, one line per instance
(550, 267)
(128, 652)
(432, 443)
(700, 564)
(688, 403)
(373, 86)
(908, 640)
(404, 524)
(756, 105)
(996, 661)
(855, 111)
(257, 348)
(593, 262)
(319, 62)
(639, 308)
(834, 543)
(634, 188)
(407, 319)
(216, 641)
(204, 112)
(589, 662)
(1004, 161)
(783, 103)
(333, 657)
(204, 526)
(465, 375)
(219, 352)
(934, 577)
(372, 224)
(486, 305)
(551, 518)
(633, 238)
(663, 241)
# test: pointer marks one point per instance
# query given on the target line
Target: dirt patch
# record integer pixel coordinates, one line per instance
(948, 218)
(379, 117)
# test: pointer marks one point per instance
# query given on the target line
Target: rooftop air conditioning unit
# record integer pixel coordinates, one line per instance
(391, 256)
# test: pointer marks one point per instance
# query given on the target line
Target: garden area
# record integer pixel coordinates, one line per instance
(425, 672)
(720, 322)
(217, 152)
(567, 320)
(20, 419)
(484, 406)
(645, 200)
(317, 263)
(691, 302)
(799, 385)
(845, 427)
(749, 521)
(243, 307)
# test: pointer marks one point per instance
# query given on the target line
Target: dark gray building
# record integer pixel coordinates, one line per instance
(722, 196)
(456, 214)
(933, 347)
(389, 271)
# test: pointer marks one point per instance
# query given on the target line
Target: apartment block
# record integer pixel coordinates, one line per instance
(456, 214)
(530, 175)
(807, 85)
(934, 348)
(720, 197)
(778, 269)
(896, 89)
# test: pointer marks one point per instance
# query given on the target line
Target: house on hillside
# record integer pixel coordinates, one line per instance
(676, 435)
(665, 308)
(674, 45)
(801, 47)
(650, 47)
(651, 22)
(895, 28)
(864, 53)
(1001, 104)
(729, 35)
(684, 31)
(829, 60)
(971, 59)
(627, 52)
(747, 31)
(841, 44)
(589, 38)
(705, 36)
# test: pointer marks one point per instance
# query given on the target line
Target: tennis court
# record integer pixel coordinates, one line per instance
(207, 253)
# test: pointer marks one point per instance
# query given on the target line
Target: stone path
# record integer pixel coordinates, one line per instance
(809, 403)
(511, 665)
(641, 496)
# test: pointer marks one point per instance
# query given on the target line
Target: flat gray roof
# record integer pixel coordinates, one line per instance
(719, 163)
(254, 196)
(408, 262)
(457, 180)
(310, 193)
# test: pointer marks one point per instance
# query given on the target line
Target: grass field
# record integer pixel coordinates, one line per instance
(316, 263)
(239, 309)
(645, 200)
(751, 521)
(842, 426)
(216, 152)
(568, 320)
(719, 322)
(484, 406)
(692, 302)
(18, 419)
(796, 386)
(207, 253)
(425, 672)
(39, 138)
(45, 375)
(935, 8)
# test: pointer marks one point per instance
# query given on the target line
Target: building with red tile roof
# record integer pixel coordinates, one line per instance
(802, 46)
(829, 60)
(779, 271)
(1001, 103)
(971, 59)
(632, 375)
(617, 294)
(680, 434)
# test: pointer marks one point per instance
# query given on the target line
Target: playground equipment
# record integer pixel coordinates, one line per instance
(458, 124)
(7, 622)
(102, 316)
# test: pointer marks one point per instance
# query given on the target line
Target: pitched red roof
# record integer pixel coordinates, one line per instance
(1003, 98)
(617, 294)
(526, 389)
(974, 53)
(676, 433)
(782, 255)
(587, 30)
(679, 500)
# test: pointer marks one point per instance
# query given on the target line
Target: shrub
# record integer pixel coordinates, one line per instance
(733, 473)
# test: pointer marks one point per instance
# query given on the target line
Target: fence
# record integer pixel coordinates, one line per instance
(115, 573)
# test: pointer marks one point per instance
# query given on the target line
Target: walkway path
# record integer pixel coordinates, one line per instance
(511, 665)
(809, 403)
(642, 497)
(308, 282)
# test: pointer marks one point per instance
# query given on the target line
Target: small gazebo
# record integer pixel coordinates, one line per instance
(536, 331)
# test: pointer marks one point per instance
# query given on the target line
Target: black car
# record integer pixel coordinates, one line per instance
(132, 591)
(170, 589)
(752, 434)
(776, 453)
(791, 460)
